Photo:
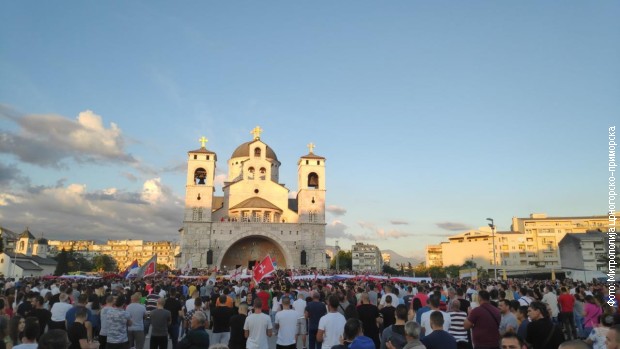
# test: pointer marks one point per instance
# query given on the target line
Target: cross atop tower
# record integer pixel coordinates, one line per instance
(256, 132)
(203, 141)
(311, 147)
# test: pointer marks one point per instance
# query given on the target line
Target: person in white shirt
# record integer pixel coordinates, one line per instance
(331, 325)
(388, 292)
(300, 307)
(286, 325)
(59, 311)
(551, 299)
(425, 321)
(257, 327)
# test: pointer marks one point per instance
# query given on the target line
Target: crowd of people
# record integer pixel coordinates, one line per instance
(359, 313)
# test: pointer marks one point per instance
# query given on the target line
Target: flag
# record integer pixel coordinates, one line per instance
(236, 274)
(148, 268)
(187, 267)
(132, 269)
(263, 269)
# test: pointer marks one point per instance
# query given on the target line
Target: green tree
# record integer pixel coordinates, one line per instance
(345, 260)
(452, 270)
(162, 267)
(409, 269)
(63, 263)
(390, 270)
(103, 262)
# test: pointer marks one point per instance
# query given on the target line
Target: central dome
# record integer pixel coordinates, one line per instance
(243, 151)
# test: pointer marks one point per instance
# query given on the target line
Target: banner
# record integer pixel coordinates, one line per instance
(187, 267)
(131, 270)
(149, 268)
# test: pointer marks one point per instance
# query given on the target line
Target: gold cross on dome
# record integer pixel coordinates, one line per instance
(256, 132)
(203, 141)
(311, 147)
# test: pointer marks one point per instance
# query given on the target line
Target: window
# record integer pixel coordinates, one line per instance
(313, 180)
(312, 216)
(197, 214)
(200, 175)
(257, 152)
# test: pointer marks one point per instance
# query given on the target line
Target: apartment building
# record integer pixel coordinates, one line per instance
(366, 257)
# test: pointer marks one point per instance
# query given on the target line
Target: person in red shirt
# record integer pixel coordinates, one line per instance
(484, 320)
(567, 302)
(264, 296)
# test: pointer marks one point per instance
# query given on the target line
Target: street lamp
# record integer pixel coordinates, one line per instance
(493, 237)
(337, 256)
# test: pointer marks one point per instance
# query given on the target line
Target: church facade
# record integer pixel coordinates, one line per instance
(255, 216)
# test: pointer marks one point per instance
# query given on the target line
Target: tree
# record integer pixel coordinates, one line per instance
(103, 262)
(452, 270)
(1, 244)
(162, 267)
(63, 263)
(409, 269)
(345, 260)
(390, 270)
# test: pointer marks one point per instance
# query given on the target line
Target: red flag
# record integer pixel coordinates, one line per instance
(149, 267)
(263, 269)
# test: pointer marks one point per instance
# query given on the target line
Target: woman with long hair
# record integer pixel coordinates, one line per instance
(591, 314)
(541, 332)
(16, 330)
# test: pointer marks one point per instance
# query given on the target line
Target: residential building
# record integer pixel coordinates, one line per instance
(585, 251)
(366, 257)
(434, 256)
(124, 252)
(531, 243)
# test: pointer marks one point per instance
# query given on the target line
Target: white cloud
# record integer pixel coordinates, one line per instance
(74, 212)
(151, 191)
(453, 226)
(336, 210)
(49, 140)
(337, 230)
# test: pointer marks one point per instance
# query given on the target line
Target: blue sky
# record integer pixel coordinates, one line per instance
(432, 115)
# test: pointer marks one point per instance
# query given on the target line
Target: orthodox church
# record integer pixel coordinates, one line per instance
(255, 215)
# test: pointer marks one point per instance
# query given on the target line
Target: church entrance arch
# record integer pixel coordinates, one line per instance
(247, 250)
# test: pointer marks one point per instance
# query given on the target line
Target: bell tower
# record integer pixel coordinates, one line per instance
(199, 187)
(311, 187)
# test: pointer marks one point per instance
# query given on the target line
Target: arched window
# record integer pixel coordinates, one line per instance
(21, 245)
(303, 257)
(200, 175)
(312, 216)
(257, 152)
(313, 180)
(251, 173)
(197, 214)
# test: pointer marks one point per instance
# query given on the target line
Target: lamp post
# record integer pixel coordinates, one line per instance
(493, 237)
(337, 256)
